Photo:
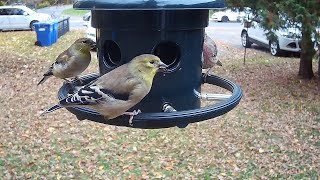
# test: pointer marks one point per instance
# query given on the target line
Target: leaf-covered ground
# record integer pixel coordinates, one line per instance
(274, 133)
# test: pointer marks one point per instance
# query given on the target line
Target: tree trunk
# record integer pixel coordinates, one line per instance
(319, 61)
(307, 52)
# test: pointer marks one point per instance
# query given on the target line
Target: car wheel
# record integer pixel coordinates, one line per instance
(225, 19)
(32, 25)
(245, 40)
(274, 48)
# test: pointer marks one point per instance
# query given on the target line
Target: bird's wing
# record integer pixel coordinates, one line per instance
(214, 48)
(118, 80)
(64, 57)
(118, 84)
(61, 59)
(90, 95)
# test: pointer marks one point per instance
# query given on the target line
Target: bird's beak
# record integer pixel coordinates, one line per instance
(162, 67)
(219, 63)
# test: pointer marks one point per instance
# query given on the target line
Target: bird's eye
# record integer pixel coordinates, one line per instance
(152, 61)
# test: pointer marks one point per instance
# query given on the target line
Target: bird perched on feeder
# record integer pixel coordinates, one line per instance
(72, 61)
(210, 52)
(117, 91)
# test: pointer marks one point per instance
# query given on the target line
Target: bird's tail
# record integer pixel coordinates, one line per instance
(43, 79)
(51, 109)
(219, 63)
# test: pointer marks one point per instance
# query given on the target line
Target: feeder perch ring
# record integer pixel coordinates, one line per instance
(162, 119)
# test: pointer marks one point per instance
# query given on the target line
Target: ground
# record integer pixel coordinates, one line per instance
(274, 133)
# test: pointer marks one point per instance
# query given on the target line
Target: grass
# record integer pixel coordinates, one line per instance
(272, 134)
(74, 12)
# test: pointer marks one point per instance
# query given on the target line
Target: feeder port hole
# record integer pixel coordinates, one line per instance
(169, 53)
(112, 54)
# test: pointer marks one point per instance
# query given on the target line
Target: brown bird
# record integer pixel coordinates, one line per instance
(118, 90)
(210, 52)
(72, 61)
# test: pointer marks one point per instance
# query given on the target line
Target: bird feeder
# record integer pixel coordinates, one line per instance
(172, 30)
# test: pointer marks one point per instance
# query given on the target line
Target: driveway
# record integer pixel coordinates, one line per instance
(226, 32)
(76, 22)
(225, 35)
(55, 11)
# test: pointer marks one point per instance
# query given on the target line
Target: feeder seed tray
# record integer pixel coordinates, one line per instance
(160, 119)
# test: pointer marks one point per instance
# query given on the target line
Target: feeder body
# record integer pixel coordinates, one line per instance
(176, 36)
(170, 29)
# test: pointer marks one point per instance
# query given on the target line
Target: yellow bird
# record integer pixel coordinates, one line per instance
(72, 61)
(118, 90)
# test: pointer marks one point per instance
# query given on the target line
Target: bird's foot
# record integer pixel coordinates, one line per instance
(67, 80)
(206, 75)
(132, 114)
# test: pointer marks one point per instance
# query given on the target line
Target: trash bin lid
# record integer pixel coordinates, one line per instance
(148, 4)
(44, 23)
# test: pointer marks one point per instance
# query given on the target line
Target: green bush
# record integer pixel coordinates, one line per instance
(43, 5)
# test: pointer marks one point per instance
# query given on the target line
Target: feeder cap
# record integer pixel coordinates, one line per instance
(148, 4)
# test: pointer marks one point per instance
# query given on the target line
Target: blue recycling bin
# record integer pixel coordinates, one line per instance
(63, 25)
(55, 30)
(44, 31)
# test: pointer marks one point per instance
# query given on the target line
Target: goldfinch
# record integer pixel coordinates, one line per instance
(210, 52)
(72, 61)
(118, 90)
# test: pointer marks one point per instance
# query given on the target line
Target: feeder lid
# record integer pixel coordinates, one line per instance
(148, 4)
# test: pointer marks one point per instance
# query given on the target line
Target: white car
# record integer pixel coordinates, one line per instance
(86, 16)
(287, 39)
(20, 17)
(91, 31)
(227, 15)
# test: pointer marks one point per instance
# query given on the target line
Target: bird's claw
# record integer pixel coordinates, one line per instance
(67, 81)
(206, 75)
(132, 114)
